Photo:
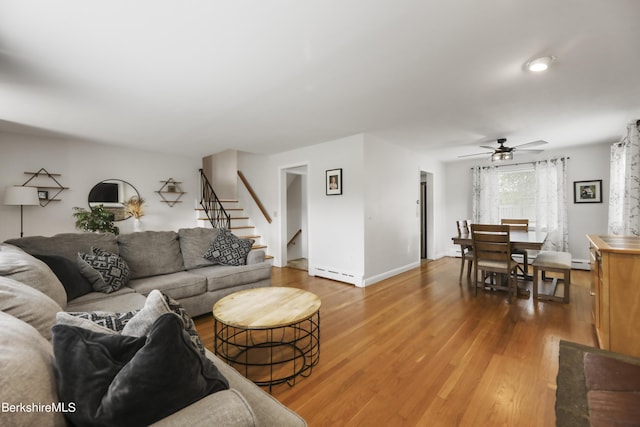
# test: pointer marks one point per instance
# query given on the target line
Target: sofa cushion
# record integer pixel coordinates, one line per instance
(194, 242)
(178, 285)
(68, 272)
(224, 276)
(112, 270)
(124, 299)
(224, 408)
(120, 380)
(19, 265)
(26, 374)
(29, 305)
(151, 253)
(156, 305)
(228, 249)
(267, 408)
(66, 244)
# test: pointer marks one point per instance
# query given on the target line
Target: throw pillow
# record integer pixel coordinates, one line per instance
(155, 306)
(228, 249)
(131, 381)
(112, 270)
(97, 321)
(67, 271)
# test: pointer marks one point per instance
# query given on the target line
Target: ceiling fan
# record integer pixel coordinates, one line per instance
(506, 153)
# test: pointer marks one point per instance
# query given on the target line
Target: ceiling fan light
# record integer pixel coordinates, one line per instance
(501, 156)
(540, 64)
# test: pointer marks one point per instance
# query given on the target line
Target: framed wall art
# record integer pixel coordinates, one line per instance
(333, 178)
(587, 191)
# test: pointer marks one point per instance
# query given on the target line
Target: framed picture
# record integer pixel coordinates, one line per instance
(43, 195)
(333, 183)
(587, 191)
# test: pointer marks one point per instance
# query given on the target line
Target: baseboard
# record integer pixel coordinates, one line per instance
(378, 277)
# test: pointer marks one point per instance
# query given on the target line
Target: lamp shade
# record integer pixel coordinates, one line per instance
(21, 196)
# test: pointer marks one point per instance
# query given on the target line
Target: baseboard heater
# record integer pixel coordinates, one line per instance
(340, 276)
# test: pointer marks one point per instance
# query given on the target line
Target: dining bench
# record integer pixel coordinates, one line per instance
(552, 261)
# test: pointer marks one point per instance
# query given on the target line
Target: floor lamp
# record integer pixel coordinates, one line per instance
(21, 196)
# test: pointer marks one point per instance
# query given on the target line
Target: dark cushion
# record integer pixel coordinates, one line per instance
(68, 272)
(228, 249)
(117, 380)
(113, 271)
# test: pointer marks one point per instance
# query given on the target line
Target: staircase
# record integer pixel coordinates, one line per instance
(240, 223)
(219, 213)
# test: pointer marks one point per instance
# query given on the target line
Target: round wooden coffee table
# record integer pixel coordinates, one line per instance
(271, 335)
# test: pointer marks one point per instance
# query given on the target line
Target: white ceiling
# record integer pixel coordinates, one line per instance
(265, 76)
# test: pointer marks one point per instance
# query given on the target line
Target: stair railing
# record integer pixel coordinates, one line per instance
(254, 196)
(213, 209)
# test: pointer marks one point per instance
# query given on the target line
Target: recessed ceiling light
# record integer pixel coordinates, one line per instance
(540, 64)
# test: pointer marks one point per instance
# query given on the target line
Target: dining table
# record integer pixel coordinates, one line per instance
(529, 240)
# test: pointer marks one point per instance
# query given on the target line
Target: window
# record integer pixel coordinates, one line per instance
(517, 193)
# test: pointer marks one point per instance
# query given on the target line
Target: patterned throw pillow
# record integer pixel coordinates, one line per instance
(228, 249)
(113, 271)
(97, 321)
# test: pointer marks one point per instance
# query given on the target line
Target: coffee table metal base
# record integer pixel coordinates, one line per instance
(270, 356)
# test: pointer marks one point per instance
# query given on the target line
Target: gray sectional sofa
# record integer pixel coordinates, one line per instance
(31, 298)
(169, 261)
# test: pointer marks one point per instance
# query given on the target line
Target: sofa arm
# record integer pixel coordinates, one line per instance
(255, 256)
(224, 408)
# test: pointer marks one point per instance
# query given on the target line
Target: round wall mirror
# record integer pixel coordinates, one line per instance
(112, 194)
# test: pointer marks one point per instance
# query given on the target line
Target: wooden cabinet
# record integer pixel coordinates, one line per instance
(615, 275)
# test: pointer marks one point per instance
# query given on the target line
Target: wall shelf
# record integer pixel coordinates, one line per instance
(45, 182)
(171, 192)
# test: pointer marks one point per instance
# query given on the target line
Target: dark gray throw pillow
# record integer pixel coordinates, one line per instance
(228, 249)
(106, 271)
(68, 272)
(118, 380)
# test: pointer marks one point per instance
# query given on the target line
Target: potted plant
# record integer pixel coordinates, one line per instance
(95, 219)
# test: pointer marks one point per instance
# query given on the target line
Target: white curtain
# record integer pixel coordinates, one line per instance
(551, 203)
(551, 200)
(624, 191)
(486, 195)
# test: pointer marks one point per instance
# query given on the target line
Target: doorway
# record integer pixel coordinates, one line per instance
(294, 219)
(426, 214)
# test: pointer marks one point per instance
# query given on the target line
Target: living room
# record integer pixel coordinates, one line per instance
(386, 93)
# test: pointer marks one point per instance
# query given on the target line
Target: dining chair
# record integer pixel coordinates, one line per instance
(492, 254)
(519, 224)
(466, 252)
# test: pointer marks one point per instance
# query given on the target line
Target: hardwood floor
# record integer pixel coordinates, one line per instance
(419, 349)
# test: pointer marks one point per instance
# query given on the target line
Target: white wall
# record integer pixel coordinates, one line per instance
(336, 228)
(392, 215)
(82, 165)
(586, 163)
(221, 170)
(369, 232)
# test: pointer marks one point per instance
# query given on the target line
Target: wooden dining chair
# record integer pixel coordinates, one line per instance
(519, 224)
(466, 252)
(492, 254)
